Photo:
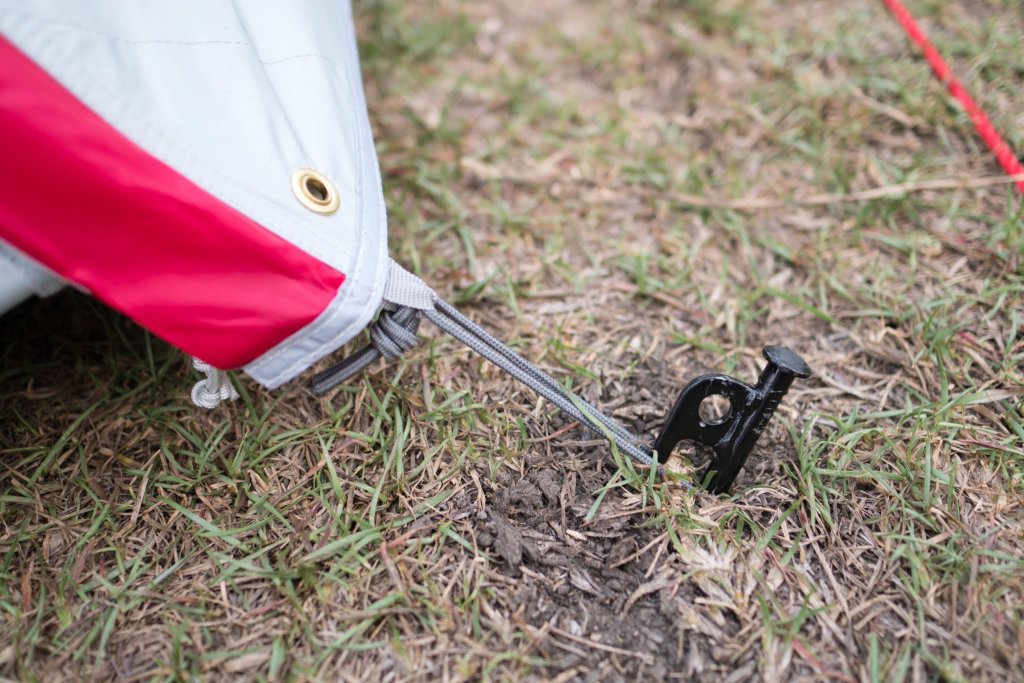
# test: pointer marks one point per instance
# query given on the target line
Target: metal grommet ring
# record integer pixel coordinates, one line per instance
(315, 191)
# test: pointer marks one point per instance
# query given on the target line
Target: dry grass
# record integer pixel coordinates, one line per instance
(430, 521)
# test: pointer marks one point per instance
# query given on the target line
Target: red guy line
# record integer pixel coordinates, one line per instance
(1004, 155)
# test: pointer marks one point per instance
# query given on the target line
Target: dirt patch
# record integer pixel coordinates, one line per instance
(603, 597)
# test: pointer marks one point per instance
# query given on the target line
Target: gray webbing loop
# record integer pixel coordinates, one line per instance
(407, 298)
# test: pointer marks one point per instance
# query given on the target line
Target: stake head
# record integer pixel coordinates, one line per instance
(787, 361)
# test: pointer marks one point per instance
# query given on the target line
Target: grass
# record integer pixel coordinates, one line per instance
(429, 520)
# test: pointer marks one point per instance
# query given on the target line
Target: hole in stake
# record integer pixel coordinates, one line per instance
(715, 409)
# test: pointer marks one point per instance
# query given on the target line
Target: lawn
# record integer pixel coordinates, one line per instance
(631, 194)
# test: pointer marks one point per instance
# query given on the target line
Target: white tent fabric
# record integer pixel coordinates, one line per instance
(21, 277)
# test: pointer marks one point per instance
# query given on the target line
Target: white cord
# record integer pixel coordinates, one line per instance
(212, 389)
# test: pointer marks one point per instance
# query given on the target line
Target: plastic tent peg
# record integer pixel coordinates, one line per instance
(751, 408)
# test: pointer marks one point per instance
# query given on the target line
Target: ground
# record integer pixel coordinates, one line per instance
(632, 193)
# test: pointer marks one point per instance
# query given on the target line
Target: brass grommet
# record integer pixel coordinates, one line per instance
(315, 191)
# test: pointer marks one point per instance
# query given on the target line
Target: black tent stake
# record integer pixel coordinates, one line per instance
(751, 408)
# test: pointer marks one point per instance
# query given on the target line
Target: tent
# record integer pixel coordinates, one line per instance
(206, 168)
